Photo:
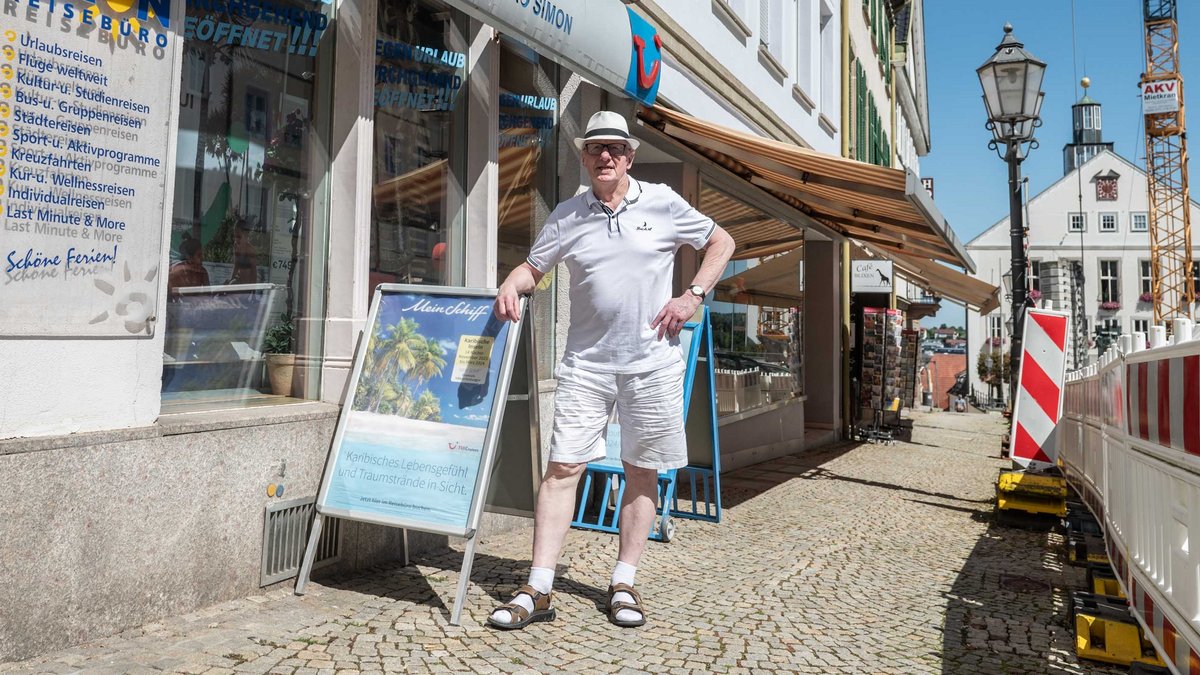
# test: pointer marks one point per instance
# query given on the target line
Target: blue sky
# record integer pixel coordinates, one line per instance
(970, 181)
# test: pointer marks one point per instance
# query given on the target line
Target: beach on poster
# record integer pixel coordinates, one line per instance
(405, 468)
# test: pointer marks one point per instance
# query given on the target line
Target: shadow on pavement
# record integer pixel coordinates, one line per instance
(1006, 612)
(498, 577)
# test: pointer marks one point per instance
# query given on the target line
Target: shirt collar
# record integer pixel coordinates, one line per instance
(631, 197)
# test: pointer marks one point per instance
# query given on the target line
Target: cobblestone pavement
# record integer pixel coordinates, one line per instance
(853, 559)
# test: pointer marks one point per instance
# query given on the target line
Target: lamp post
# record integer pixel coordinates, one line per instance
(1012, 94)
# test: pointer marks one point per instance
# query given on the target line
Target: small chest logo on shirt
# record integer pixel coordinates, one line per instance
(644, 227)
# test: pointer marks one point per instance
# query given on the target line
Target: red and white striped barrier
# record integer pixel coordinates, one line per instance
(1129, 444)
(1039, 389)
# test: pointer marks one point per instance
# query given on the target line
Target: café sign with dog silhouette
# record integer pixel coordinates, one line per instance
(871, 276)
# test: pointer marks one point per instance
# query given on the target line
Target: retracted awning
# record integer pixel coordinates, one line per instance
(885, 207)
(775, 283)
(942, 281)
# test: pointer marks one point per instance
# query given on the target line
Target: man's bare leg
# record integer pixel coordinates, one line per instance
(552, 515)
(637, 518)
(551, 520)
(637, 512)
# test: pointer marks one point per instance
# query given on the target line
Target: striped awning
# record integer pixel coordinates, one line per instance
(885, 207)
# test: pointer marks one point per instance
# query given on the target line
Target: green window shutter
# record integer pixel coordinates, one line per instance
(874, 132)
(861, 141)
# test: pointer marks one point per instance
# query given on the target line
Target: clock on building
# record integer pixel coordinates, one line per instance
(1106, 189)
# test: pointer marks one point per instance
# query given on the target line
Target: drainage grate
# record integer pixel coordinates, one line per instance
(285, 534)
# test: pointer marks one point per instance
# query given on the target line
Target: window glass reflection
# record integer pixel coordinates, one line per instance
(420, 134)
(246, 245)
(757, 309)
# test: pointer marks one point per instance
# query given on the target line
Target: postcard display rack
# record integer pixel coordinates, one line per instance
(881, 367)
(908, 367)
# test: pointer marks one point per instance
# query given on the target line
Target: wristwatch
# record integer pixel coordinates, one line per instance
(696, 290)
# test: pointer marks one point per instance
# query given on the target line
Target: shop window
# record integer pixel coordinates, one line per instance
(757, 311)
(419, 145)
(528, 184)
(249, 221)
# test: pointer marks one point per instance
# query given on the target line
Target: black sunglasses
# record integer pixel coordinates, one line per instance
(614, 149)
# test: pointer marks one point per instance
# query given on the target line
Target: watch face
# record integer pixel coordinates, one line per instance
(1106, 189)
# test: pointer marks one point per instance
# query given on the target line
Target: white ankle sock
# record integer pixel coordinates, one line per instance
(542, 580)
(624, 573)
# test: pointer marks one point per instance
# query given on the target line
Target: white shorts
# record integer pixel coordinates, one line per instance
(649, 410)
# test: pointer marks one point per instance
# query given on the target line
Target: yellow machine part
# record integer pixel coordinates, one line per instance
(1109, 587)
(1110, 641)
(1010, 501)
(1032, 484)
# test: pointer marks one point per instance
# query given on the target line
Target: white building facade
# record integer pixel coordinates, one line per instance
(1088, 249)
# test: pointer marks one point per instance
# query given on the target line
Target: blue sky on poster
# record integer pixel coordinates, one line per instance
(970, 180)
(446, 329)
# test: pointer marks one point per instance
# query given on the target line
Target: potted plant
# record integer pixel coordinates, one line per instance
(1146, 298)
(1034, 296)
(281, 359)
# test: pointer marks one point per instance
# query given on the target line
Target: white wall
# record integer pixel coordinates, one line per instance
(710, 23)
(69, 386)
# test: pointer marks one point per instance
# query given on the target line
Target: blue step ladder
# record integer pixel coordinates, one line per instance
(699, 482)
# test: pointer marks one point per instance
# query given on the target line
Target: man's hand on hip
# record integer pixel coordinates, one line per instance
(674, 314)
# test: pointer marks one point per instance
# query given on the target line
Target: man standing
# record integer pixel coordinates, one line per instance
(618, 241)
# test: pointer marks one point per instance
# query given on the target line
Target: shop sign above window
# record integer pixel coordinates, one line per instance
(583, 34)
(871, 276)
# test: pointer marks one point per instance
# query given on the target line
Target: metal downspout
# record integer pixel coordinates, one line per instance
(845, 247)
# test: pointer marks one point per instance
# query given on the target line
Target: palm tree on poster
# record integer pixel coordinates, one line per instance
(426, 407)
(392, 357)
(428, 360)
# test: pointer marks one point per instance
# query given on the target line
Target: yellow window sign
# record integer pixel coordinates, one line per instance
(472, 359)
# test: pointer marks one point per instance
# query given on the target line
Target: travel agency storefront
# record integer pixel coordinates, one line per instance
(166, 405)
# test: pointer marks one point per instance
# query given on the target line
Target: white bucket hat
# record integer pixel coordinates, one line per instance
(607, 125)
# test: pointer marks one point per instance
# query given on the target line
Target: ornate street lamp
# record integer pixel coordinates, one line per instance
(1012, 95)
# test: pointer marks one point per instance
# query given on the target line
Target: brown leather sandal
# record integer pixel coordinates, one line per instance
(614, 607)
(542, 611)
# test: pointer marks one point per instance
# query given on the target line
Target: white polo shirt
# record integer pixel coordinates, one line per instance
(621, 265)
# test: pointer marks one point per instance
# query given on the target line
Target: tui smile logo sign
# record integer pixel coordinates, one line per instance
(645, 64)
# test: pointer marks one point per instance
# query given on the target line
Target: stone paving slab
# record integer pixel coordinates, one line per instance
(853, 559)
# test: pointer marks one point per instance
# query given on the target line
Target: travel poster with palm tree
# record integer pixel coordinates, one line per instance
(414, 434)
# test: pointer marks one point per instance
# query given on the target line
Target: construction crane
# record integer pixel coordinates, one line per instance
(1166, 166)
